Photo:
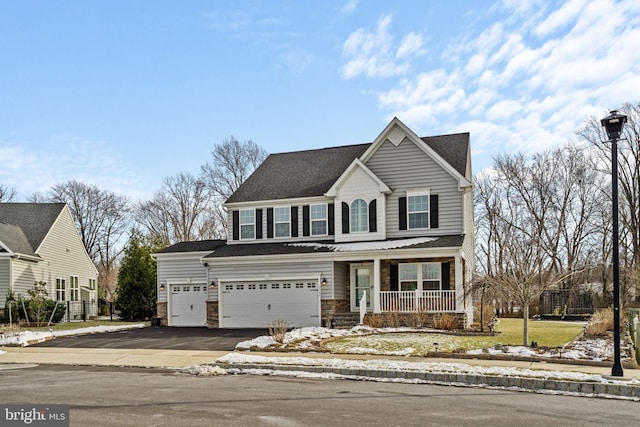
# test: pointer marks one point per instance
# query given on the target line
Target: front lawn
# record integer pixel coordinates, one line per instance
(545, 333)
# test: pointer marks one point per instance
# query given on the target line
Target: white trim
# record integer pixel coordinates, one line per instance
(391, 132)
(333, 191)
(352, 284)
(277, 202)
(326, 219)
(240, 224)
(288, 209)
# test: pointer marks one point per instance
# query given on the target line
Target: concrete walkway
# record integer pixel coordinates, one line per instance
(149, 358)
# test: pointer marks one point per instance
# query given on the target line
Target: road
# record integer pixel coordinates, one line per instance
(102, 396)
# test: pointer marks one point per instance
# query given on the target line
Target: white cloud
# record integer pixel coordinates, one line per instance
(373, 53)
(349, 7)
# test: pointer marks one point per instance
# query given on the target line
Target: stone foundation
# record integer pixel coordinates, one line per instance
(331, 306)
(161, 313)
(212, 315)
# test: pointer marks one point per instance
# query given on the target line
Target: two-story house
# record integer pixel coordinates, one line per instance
(385, 226)
(39, 242)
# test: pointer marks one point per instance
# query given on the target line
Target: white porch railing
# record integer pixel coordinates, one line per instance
(412, 301)
(363, 307)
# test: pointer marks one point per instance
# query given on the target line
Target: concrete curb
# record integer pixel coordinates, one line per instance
(609, 390)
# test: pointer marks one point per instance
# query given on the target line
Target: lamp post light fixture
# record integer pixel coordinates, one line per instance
(613, 124)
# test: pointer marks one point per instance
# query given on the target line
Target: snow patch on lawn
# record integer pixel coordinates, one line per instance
(24, 338)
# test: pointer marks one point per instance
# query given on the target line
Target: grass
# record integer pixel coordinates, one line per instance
(545, 333)
(64, 326)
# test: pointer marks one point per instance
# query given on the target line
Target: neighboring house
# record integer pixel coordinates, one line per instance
(314, 234)
(39, 242)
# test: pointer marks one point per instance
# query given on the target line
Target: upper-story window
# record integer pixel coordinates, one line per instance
(282, 221)
(359, 216)
(247, 224)
(319, 220)
(418, 211)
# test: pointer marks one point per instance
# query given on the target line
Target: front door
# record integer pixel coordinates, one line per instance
(361, 282)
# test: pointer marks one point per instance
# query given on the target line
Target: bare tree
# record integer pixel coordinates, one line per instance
(231, 164)
(7, 194)
(628, 182)
(102, 218)
(182, 210)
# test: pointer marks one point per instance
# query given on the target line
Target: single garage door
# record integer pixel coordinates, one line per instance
(256, 304)
(188, 305)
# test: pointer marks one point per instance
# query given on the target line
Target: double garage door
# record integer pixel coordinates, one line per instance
(256, 304)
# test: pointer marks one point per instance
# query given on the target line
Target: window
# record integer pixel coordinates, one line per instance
(431, 276)
(428, 275)
(359, 216)
(252, 287)
(74, 290)
(318, 220)
(281, 221)
(263, 286)
(408, 275)
(61, 287)
(418, 211)
(247, 224)
(92, 284)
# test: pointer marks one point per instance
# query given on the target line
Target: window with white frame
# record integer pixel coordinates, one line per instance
(61, 289)
(281, 220)
(408, 277)
(247, 224)
(359, 216)
(92, 284)
(74, 289)
(425, 276)
(418, 211)
(319, 220)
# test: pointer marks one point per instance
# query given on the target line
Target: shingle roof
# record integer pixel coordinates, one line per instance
(290, 248)
(312, 172)
(34, 219)
(13, 237)
(197, 246)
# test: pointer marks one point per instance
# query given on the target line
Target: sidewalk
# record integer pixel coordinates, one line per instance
(624, 387)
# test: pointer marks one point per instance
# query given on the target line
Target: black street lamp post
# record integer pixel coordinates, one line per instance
(613, 125)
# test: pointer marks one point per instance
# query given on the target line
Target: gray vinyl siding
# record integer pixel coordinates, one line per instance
(25, 274)
(407, 168)
(287, 269)
(5, 277)
(64, 256)
(184, 269)
(340, 273)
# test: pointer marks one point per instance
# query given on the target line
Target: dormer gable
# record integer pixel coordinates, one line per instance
(397, 132)
(355, 167)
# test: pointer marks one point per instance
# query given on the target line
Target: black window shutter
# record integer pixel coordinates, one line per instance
(433, 210)
(294, 221)
(258, 223)
(332, 218)
(236, 225)
(269, 223)
(393, 276)
(345, 218)
(446, 280)
(373, 226)
(402, 212)
(305, 220)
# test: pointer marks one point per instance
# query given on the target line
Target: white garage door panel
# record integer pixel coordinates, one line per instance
(256, 304)
(188, 305)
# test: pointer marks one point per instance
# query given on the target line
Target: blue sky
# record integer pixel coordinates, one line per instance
(124, 93)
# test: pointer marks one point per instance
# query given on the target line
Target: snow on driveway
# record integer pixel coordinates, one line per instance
(24, 338)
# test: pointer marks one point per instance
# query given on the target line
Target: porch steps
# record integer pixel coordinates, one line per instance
(345, 320)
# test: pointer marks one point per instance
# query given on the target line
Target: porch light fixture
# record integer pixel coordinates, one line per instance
(212, 285)
(613, 124)
(163, 287)
(324, 281)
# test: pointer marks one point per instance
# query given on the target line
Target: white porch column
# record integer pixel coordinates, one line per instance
(376, 285)
(459, 284)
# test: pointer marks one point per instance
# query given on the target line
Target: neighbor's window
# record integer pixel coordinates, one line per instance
(359, 216)
(247, 224)
(61, 287)
(74, 289)
(281, 220)
(92, 284)
(408, 275)
(319, 220)
(418, 211)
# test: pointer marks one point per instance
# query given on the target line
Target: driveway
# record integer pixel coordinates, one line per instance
(167, 338)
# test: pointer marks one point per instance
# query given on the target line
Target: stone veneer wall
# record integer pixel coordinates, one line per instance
(161, 313)
(329, 307)
(212, 315)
